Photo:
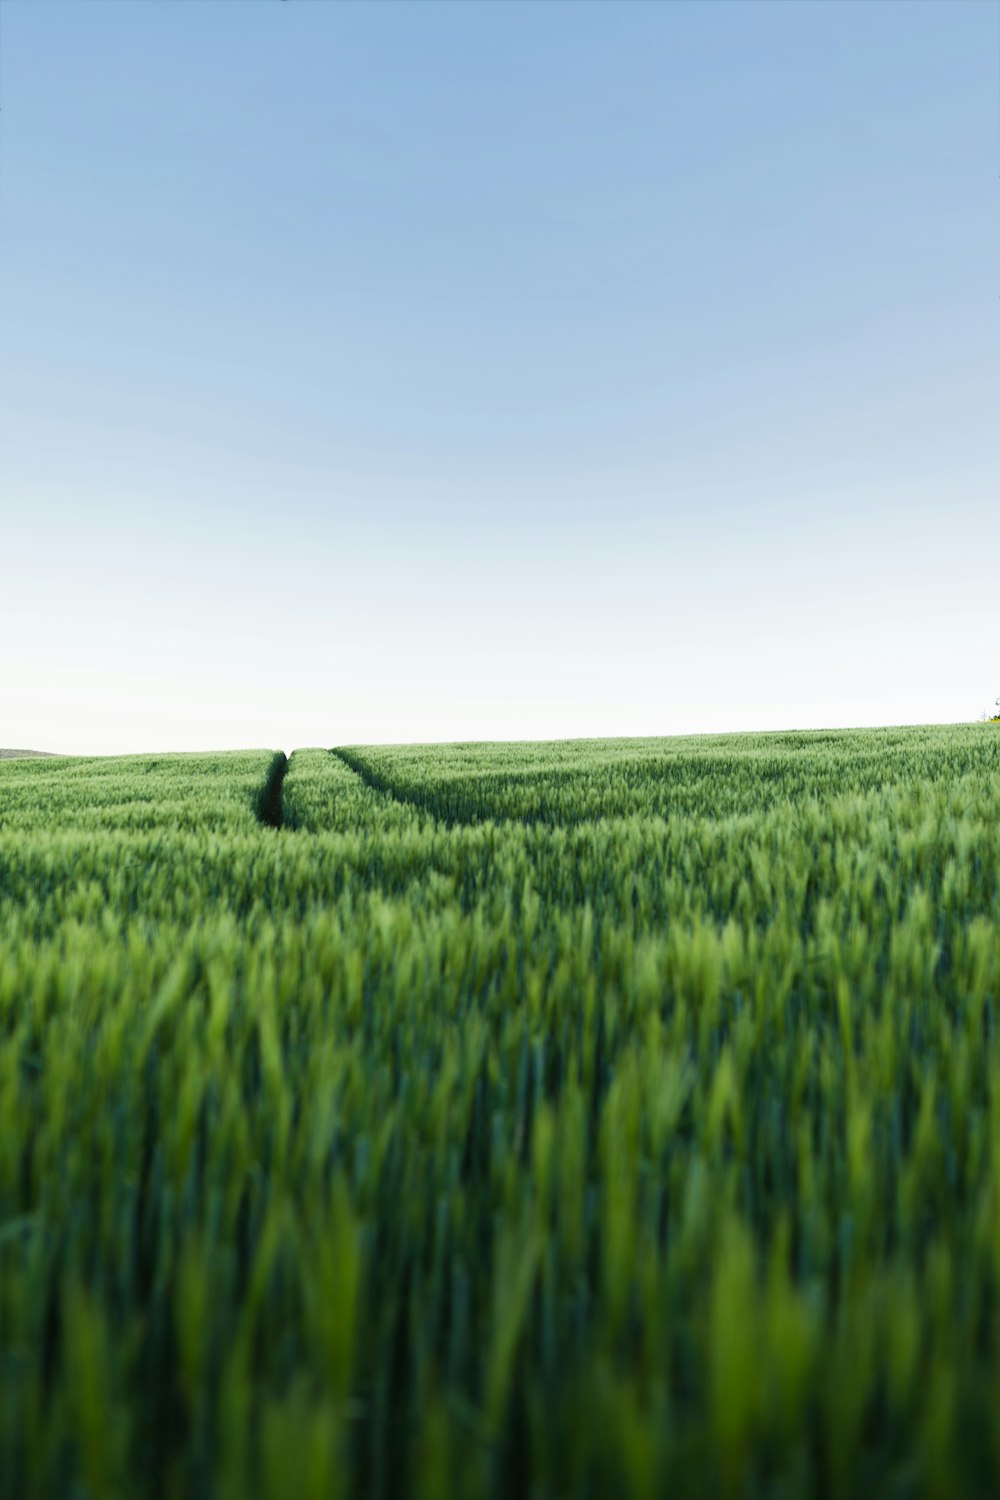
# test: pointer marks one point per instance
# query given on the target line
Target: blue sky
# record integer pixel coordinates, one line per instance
(439, 371)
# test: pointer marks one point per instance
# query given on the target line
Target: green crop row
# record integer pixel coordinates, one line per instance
(601, 1142)
(713, 776)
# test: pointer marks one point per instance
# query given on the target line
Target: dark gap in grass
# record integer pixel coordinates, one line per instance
(421, 802)
(429, 802)
(379, 783)
(269, 809)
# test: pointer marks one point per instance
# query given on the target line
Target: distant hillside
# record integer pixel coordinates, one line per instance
(21, 754)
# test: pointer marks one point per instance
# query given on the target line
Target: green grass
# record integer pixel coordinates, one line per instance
(576, 1120)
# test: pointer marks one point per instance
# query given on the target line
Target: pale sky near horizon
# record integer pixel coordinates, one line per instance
(427, 371)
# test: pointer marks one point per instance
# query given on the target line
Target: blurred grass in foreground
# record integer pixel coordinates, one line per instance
(605, 1118)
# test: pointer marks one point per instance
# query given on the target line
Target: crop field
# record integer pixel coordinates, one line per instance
(556, 1122)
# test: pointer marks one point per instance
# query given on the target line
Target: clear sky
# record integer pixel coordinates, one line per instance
(450, 371)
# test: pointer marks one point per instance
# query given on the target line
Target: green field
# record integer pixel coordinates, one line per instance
(595, 1119)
